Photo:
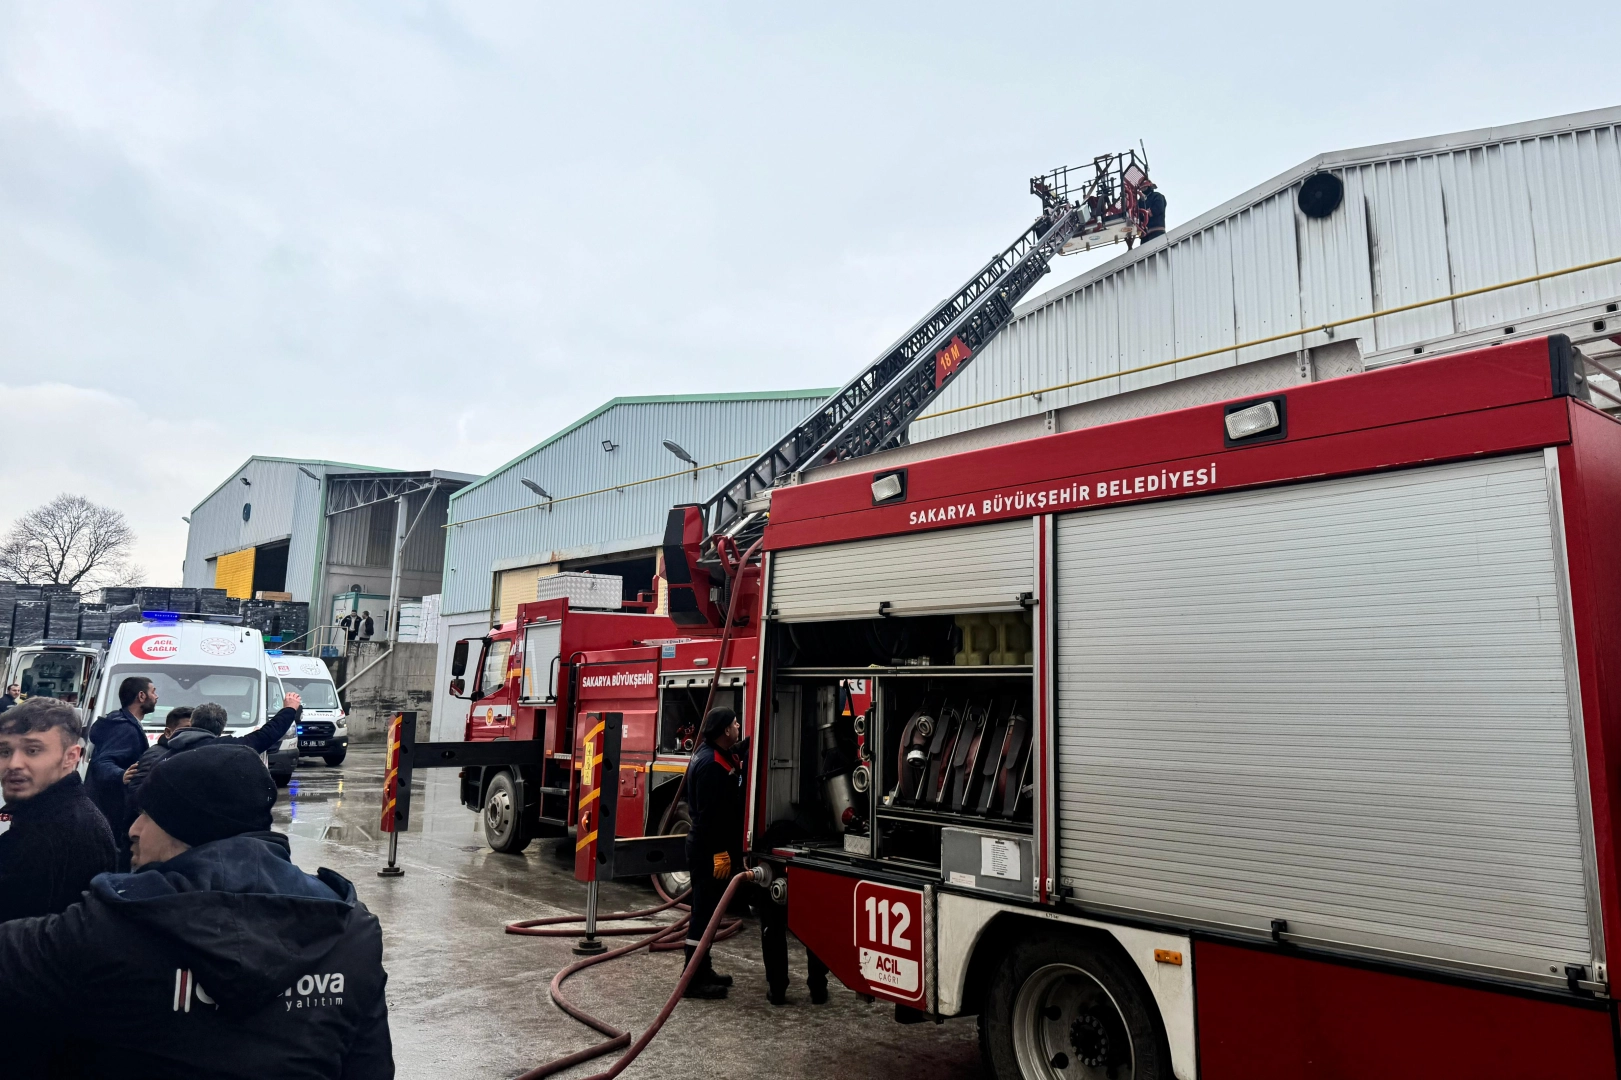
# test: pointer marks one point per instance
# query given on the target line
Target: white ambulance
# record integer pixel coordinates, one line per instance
(323, 729)
(190, 662)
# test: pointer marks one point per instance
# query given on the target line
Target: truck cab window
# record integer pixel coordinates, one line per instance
(493, 674)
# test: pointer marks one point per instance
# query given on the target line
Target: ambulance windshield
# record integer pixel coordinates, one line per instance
(236, 690)
(315, 693)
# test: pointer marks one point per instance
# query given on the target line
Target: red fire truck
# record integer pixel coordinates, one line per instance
(536, 678)
(1265, 738)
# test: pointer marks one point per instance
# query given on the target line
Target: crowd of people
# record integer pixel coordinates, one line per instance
(153, 924)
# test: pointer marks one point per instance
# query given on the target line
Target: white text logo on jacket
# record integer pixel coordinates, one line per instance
(310, 992)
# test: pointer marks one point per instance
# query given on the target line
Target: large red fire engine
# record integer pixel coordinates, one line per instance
(1266, 738)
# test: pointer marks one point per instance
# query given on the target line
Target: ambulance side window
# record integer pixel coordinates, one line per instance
(493, 674)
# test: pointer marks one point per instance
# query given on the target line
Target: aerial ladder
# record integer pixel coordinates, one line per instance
(1082, 208)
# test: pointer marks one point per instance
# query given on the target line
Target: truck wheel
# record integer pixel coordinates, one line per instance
(335, 759)
(676, 882)
(1060, 1009)
(503, 817)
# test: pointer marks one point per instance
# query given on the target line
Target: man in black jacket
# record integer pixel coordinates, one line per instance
(208, 726)
(58, 840)
(9, 698)
(714, 790)
(217, 957)
(134, 776)
(117, 741)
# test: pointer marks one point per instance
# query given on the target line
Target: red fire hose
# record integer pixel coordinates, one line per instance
(666, 937)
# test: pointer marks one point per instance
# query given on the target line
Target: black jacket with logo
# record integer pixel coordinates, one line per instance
(57, 842)
(225, 961)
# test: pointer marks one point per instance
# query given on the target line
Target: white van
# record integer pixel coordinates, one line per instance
(192, 662)
(323, 730)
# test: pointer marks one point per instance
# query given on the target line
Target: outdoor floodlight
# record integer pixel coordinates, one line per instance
(680, 453)
(536, 488)
(245, 481)
(309, 474)
(609, 445)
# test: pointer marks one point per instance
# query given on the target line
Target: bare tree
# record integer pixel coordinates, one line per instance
(70, 541)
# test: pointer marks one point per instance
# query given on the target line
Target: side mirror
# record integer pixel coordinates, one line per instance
(458, 659)
(457, 687)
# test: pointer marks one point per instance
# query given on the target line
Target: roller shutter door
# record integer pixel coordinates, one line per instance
(979, 568)
(1342, 704)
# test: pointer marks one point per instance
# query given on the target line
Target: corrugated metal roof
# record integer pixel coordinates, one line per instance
(710, 427)
(1420, 219)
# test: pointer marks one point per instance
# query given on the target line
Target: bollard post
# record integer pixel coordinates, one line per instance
(397, 788)
(599, 801)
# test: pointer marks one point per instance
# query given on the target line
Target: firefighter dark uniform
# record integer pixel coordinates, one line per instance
(1153, 203)
(714, 791)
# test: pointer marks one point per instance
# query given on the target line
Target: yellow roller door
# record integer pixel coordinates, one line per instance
(234, 574)
(514, 587)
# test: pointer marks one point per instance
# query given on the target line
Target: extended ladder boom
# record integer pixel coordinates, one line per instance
(872, 411)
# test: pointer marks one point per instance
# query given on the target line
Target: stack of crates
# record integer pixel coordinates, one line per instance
(215, 602)
(183, 600)
(62, 616)
(116, 596)
(8, 601)
(261, 615)
(150, 599)
(292, 619)
(94, 624)
(28, 621)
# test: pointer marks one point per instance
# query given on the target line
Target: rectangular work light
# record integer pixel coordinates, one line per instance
(1254, 421)
(887, 487)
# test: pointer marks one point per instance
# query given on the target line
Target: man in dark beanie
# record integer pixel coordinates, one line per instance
(217, 957)
(58, 840)
(714, 791)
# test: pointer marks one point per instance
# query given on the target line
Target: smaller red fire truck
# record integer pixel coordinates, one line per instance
(538, 678)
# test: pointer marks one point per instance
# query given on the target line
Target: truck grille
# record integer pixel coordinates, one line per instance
(316, 729)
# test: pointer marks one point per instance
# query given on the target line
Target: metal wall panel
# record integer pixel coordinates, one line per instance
(921, 574)
(712, 428)
(1341, 704)
(1420, 220)
(286, 506)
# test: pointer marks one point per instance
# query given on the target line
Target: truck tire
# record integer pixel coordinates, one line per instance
(673, 884)
(504, 827)
(1059, 1008)
(335, 759)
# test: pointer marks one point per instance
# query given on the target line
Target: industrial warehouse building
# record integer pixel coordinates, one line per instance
(319, 530)
(605, 486)
(1409, 221)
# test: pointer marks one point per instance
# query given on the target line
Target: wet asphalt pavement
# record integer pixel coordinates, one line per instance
(468, 1000)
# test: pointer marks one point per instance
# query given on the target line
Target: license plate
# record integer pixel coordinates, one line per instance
(313, 742)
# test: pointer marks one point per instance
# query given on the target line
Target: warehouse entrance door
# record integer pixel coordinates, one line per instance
(270, 568)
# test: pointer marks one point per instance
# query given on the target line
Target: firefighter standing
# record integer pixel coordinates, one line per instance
(714, 791)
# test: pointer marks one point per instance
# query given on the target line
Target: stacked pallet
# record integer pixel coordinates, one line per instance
(62, 616)
(215, 602)
(94, 624)
(183, 600)
(292, 619)
(28, 622)
(8, 601)
(151, 599)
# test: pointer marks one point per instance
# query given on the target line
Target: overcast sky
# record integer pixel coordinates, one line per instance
(428, 235)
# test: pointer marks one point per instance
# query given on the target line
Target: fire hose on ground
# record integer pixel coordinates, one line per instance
(667, 937)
